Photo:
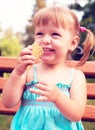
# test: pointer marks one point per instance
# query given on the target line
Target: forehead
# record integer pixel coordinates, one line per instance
(48, 26)
(58, 17)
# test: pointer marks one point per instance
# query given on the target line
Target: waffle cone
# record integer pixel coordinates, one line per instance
(37, 51)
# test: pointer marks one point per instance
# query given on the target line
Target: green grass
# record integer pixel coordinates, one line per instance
(89, 125)
(5, 122)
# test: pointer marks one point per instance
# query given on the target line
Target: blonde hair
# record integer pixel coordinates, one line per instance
(68, 20)
(88, 45)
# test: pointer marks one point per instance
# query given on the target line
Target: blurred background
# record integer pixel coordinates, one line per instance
(17, 31)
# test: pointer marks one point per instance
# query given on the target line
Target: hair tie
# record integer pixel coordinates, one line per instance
(83, 29)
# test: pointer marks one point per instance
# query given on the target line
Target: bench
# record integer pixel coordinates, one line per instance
(8, 63)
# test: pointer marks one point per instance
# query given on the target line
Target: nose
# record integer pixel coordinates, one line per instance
(46, 39)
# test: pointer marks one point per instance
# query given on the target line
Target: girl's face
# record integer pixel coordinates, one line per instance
(55, 41)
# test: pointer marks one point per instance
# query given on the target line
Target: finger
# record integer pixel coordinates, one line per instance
(35, 91)
(39, 92)
(29, 47)
(44, 83)
(27, 57)
(26, 51)
(42, 98)
(41, 86)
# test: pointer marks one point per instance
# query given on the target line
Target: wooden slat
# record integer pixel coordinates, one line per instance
(7, 63)
(91, 90)
(2, 83)
(6, 111)
(88, 68)
(89, 114)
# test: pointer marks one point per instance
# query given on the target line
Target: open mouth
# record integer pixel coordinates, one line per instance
(48, 51)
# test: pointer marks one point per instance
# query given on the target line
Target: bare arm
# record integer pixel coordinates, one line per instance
(73, 108)
(14, 87)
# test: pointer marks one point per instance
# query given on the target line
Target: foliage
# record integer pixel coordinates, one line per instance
(89, 125)
(29, 34)
(5, 121)
(88, 18)
(88, 21)
(10, 46)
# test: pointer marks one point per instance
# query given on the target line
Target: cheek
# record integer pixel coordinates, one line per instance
(63, 49)
(38, 40)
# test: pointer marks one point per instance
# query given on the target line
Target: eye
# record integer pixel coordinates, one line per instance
(39, 33)
(55, 34)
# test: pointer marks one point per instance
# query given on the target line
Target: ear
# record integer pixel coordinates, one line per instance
(74, 43)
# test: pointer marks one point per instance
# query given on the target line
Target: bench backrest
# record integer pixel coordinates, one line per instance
(8, 63)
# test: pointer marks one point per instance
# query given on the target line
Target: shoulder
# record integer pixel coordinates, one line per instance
(79, 76)
(78, 86)
(77, 72)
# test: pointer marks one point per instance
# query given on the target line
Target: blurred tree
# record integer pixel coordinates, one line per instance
(29, 34)
(9, 44)
(88, 18)
(40, 4)
(88, 21)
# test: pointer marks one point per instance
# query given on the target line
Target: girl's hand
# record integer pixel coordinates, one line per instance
(24, 60)
(48, 93)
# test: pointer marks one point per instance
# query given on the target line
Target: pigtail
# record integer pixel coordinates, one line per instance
(88, 45)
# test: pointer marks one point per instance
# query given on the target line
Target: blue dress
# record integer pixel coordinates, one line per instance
(42, 115)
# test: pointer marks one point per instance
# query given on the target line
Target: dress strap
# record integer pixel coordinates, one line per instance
(35, 80)
(71, 75)
(35, 73)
